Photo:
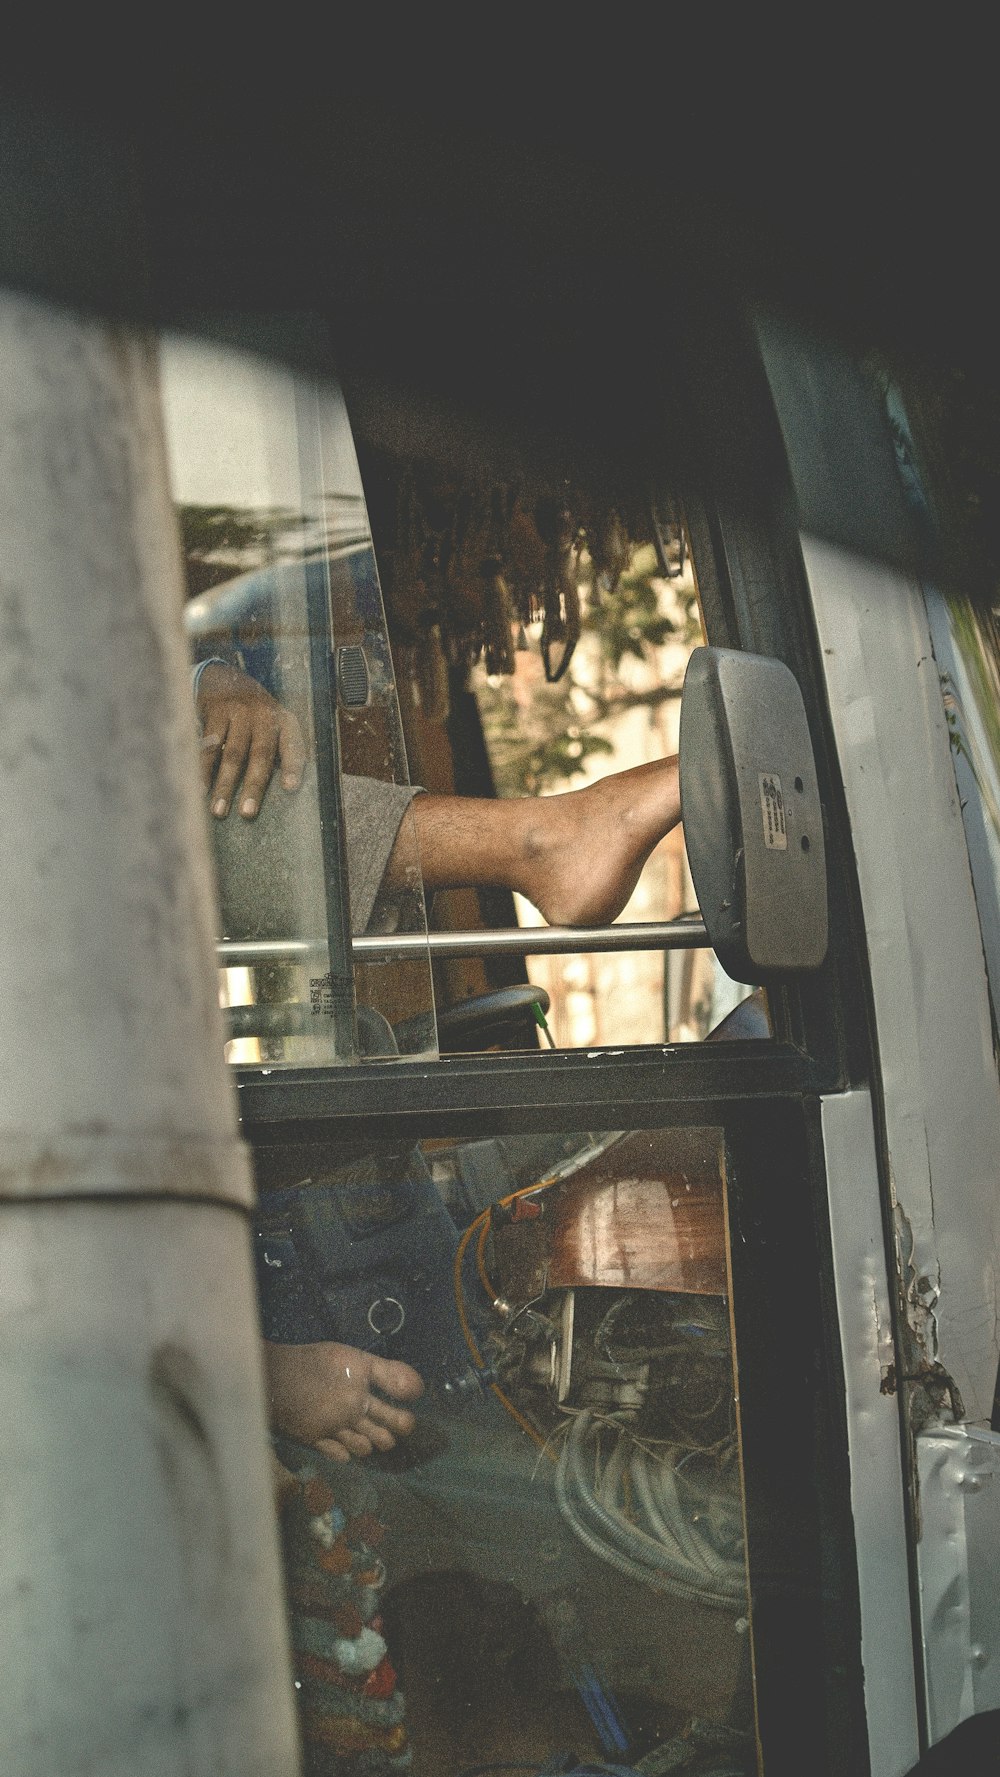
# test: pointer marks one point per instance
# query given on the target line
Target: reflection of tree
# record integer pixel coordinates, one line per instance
(541, 740)
(945, 430)
(961, 732)
(946, 438)
(220, 542)
(954, 421)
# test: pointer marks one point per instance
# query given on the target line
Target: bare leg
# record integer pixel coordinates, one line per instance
(323, 1395)
(576, 856)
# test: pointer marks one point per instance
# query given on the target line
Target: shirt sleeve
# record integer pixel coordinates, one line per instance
(373, 814)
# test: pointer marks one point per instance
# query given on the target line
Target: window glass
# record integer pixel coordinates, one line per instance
(616, 706)
(554, 1557)
(538, 630)
(287, 632)
(541, 627)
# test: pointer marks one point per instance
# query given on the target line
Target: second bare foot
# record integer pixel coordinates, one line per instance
(332, 1397)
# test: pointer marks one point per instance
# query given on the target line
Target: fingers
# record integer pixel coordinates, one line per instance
(246, 743)
(376, 1426)
(383, 1439)
(291, 751)
(211, 748)
(231, 758)
(323, 1395)
(263, 748)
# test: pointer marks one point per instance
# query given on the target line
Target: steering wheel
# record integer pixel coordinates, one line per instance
(483, 1016)
(485, 1019)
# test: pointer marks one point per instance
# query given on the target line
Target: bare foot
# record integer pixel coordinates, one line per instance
(323, 1395)
(577, 856)
(583, 851)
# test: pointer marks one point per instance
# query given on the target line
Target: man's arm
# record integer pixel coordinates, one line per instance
(576, 856)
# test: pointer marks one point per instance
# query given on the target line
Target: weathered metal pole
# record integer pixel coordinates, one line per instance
(141, 1609)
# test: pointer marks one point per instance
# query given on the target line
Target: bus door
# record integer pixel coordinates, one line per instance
(601, 1188)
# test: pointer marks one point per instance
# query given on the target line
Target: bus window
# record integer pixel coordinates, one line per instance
(555, 1555)
(615, 705)
(541, 626)
(537, 628)
(284, 609)
(560, 1261)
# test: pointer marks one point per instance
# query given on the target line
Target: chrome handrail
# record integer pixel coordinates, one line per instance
(687, 933)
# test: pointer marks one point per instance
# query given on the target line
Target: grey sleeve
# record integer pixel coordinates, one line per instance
(373, 813)
(270, 870)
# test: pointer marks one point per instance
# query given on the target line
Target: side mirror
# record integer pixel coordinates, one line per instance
(753, 825)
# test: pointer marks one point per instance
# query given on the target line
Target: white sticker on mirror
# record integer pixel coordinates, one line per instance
(772, 808)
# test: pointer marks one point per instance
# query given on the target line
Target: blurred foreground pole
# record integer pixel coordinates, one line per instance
(141, 1612)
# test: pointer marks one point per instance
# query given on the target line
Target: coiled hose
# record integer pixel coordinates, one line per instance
(672, 1555)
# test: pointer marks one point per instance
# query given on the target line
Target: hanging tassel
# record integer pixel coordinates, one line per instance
(499, 619)
(567, 632)
(432, 676)
(565, 622)
(609, 552)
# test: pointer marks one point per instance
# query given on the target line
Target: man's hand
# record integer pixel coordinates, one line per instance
(245, 734)
(324, 1395)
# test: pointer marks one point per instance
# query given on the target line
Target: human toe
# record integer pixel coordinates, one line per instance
(394, 1378)
(356, 1443)
(398, 1421)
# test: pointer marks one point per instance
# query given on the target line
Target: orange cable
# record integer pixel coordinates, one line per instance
(482, 1222)
(484, 1234)
(459, 1293)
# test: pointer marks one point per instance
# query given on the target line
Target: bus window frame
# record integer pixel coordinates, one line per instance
(765, 1097)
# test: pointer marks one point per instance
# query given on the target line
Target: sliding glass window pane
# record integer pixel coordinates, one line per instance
(554, 1556)
(541, 617)
(302, 748)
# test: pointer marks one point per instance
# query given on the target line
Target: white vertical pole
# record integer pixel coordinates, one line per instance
(141, 1614)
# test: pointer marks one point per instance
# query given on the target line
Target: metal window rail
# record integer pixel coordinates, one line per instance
(687, 933)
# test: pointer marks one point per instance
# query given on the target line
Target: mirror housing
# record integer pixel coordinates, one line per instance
(753, 823)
